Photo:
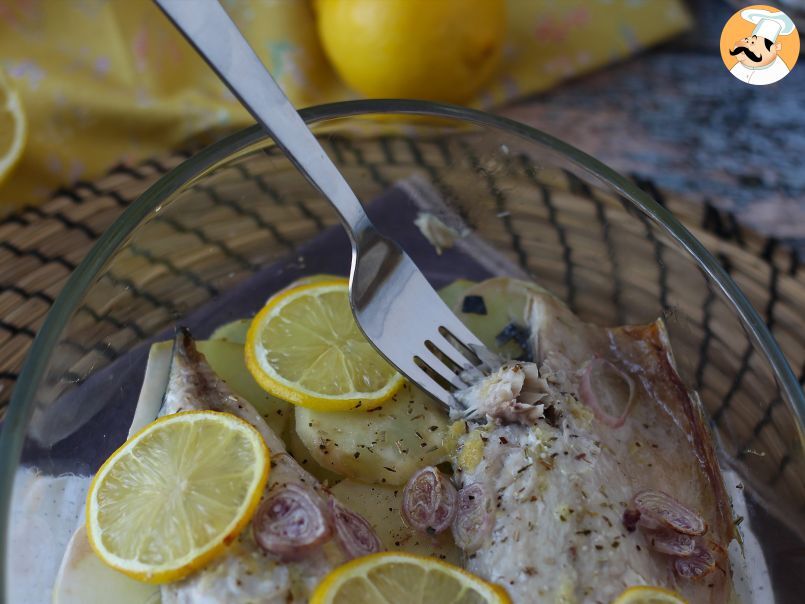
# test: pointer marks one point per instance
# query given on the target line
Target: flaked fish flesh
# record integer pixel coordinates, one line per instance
(569, 441)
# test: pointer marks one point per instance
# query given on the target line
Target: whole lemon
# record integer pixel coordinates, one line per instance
(439, 50)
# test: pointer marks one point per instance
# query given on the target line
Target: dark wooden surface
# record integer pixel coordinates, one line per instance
(677, 116)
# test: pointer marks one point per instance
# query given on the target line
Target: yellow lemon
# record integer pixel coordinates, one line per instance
(13, 127)
(175, 494)
(405, 579)
(305, 347)
(646, 594)
(440, 51)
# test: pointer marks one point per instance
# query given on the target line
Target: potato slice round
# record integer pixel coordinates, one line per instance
(299, 452)
(383, 446)
(234, 332)
(380, 505)
(495, 310)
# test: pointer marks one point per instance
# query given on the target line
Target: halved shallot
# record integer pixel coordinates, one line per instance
(672, 543)
(474, 518)
(591, 391)
(291, 522)
(354, 533)
(429, 501)
(699, 564)
(660, 509)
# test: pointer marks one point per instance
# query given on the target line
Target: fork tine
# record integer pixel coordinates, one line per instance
(409, 324)
(463, 337)
(431, 386)
(460, 331)
(439, 367)
(449, 350)
(483, 359)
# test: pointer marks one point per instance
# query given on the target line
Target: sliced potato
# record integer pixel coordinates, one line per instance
(496, 313)
(453, 294)
(299, 452)
(380, 505)
(84, 579)
(226, 359)
(384, 446)
(234, 332)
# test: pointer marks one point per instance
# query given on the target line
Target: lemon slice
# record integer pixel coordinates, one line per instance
(305, 347)
(176, 494)
(405, 579)
(13, 128)
(646, 594)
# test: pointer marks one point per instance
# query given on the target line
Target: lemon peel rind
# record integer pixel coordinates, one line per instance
(278, 386)
(648, 593)
(14, 107)
(492, 592)
(191, 562)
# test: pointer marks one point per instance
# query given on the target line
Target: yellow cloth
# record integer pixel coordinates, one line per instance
(104, 81)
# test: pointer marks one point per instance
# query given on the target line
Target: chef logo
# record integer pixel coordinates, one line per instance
(760, 45)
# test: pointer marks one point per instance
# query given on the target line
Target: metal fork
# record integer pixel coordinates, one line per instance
(393, 303)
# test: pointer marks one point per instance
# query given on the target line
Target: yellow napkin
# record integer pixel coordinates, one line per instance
(104, 81)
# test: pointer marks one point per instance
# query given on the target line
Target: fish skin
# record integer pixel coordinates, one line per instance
(244, 574)
(560, 490)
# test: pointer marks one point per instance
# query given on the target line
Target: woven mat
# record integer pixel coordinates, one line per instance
(40, 246)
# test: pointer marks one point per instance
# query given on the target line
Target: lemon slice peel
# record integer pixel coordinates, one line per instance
(149, 508)
(321, 358)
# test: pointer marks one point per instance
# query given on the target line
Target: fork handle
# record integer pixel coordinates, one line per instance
(216, 37)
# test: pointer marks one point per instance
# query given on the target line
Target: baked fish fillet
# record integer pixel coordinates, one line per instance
(561, 474)
(244, 574)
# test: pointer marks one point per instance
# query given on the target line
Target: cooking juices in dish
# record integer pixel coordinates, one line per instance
(578, 471)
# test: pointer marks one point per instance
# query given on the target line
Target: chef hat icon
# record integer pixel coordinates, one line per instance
(769, 25)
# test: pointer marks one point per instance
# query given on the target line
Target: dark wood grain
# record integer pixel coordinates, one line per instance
(676, 116)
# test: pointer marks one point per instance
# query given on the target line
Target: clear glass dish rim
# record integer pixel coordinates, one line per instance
(20, 406)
